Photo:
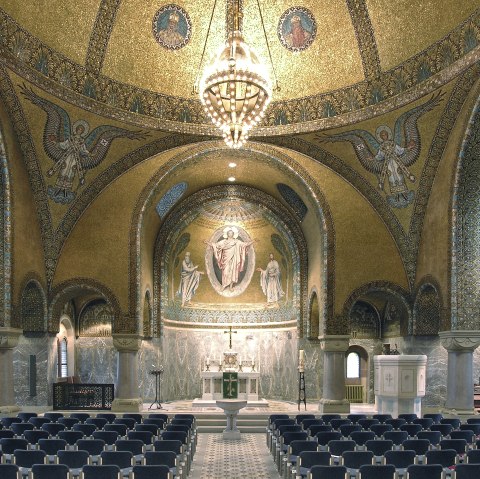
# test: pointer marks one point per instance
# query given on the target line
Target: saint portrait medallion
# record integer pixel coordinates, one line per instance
(172, 27)
(297, 29)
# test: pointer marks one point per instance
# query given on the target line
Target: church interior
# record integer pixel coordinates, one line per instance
(147, 256)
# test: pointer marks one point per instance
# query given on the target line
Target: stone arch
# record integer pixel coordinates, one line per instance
(281, 161)
(313, 330)
(33, 307)
(63, 293)
(147, 316)
(465, 297)
(427, 309)
(392, 302)
(6, 269)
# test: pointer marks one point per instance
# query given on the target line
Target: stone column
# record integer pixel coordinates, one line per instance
(334, 349)
(8, 340)
(460, 346)
(127, 393)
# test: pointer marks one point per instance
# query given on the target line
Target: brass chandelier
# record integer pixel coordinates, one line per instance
(235, 88)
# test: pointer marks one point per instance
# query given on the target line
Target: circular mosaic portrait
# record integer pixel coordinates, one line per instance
(297, 29)
(172, 27)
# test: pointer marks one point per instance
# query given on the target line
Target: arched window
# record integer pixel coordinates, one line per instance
(353, 365)
(62, 357)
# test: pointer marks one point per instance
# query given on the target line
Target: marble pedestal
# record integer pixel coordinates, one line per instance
(400, 383)
(333, 400)
(230, 408)
(460, 346)
(126, 396)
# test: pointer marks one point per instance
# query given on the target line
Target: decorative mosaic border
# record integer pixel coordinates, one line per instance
(100, 36)
(6, 258)
(439, 62)
(367, 45)
(465, 242)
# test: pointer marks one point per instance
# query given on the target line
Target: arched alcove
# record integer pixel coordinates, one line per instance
(65, 348)
(147, 317)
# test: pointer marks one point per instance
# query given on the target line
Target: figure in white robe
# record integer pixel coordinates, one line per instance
(189, 281)
(230, 253)
(270, 281)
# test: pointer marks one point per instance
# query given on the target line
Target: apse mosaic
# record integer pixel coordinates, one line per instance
(229, 261)
(297, 29)
(172, 27)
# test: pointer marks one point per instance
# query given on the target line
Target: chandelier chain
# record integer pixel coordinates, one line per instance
(277, 87)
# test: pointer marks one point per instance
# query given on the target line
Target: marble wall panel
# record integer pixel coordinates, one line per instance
(39, 346)
(96, 360)
(275, 353)
(149, 357)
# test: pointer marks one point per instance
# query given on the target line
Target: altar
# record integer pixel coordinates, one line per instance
(245, 379)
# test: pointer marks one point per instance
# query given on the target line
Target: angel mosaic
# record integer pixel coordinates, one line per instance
(73, 148)
(389, 155)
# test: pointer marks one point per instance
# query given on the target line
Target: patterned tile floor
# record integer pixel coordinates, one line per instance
(219, 459)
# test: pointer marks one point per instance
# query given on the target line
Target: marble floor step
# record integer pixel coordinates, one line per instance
(222, 420)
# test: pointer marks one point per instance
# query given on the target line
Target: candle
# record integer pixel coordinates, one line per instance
(301, 356)
(208, 361)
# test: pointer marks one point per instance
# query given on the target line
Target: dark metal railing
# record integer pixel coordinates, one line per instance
(82, 396)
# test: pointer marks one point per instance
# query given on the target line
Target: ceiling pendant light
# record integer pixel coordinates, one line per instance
(235, 88)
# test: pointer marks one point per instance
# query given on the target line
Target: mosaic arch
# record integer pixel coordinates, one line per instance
(394, 310)
(466, 237)
(277, 231)
(279, 161)
(6, 243)
(63, 293)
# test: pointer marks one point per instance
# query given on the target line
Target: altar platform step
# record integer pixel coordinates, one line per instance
(215, 423)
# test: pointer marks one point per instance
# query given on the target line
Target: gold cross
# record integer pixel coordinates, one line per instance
(230, 332)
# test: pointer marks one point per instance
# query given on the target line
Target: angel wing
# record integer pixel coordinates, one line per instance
(406, 129)
(57, 128)
(99, 140)
(365, 146)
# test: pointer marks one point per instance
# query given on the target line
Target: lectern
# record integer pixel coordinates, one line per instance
(156, 403)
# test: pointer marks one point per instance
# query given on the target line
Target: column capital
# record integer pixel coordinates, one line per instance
(335, 343)
(9, 337)
(460, 340)
(127, 342)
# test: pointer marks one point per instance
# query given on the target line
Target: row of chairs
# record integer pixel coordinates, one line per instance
(60, 471)
(387, 471)
(181, 442)
(301, 457)
(81, 416)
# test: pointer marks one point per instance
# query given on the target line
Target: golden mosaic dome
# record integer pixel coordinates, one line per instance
(145, 57)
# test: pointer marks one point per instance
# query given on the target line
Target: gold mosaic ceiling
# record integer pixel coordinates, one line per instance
(355, 39)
